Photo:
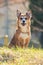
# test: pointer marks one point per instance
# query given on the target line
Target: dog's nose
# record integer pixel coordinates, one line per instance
(23, 21)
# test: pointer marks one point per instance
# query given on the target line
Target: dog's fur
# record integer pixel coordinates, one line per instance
(23, 31)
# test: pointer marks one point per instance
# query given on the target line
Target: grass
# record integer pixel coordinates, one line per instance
(19, 56)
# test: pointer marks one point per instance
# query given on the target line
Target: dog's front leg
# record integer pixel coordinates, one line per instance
(27, 41)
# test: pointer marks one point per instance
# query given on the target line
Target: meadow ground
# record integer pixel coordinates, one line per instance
(19, 56)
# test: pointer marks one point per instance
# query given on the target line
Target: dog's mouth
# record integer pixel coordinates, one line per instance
(23, 24)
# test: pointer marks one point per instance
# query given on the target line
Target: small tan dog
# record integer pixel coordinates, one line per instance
(23, 32)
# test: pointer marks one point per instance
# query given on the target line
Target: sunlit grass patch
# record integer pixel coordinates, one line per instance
(19, 56)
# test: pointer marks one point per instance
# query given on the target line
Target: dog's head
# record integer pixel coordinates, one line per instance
(24, 20)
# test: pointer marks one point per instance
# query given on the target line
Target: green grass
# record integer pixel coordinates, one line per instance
(19, 56)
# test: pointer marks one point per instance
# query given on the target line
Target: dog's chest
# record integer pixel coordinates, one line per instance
(24, 29)
(23, 35)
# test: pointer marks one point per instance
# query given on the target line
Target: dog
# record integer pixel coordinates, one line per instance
(22, 36)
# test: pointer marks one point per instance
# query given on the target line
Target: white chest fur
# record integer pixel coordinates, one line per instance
(24, 35)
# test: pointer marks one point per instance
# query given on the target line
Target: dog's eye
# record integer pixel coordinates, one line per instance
(25, 18)
(21, 18)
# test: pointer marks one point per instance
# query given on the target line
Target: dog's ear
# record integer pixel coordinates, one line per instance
(29, 14)
(18, 13)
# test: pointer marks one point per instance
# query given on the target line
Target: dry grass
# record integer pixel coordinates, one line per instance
(19, 56)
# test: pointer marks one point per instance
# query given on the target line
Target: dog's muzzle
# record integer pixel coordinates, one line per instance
(23, 22)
